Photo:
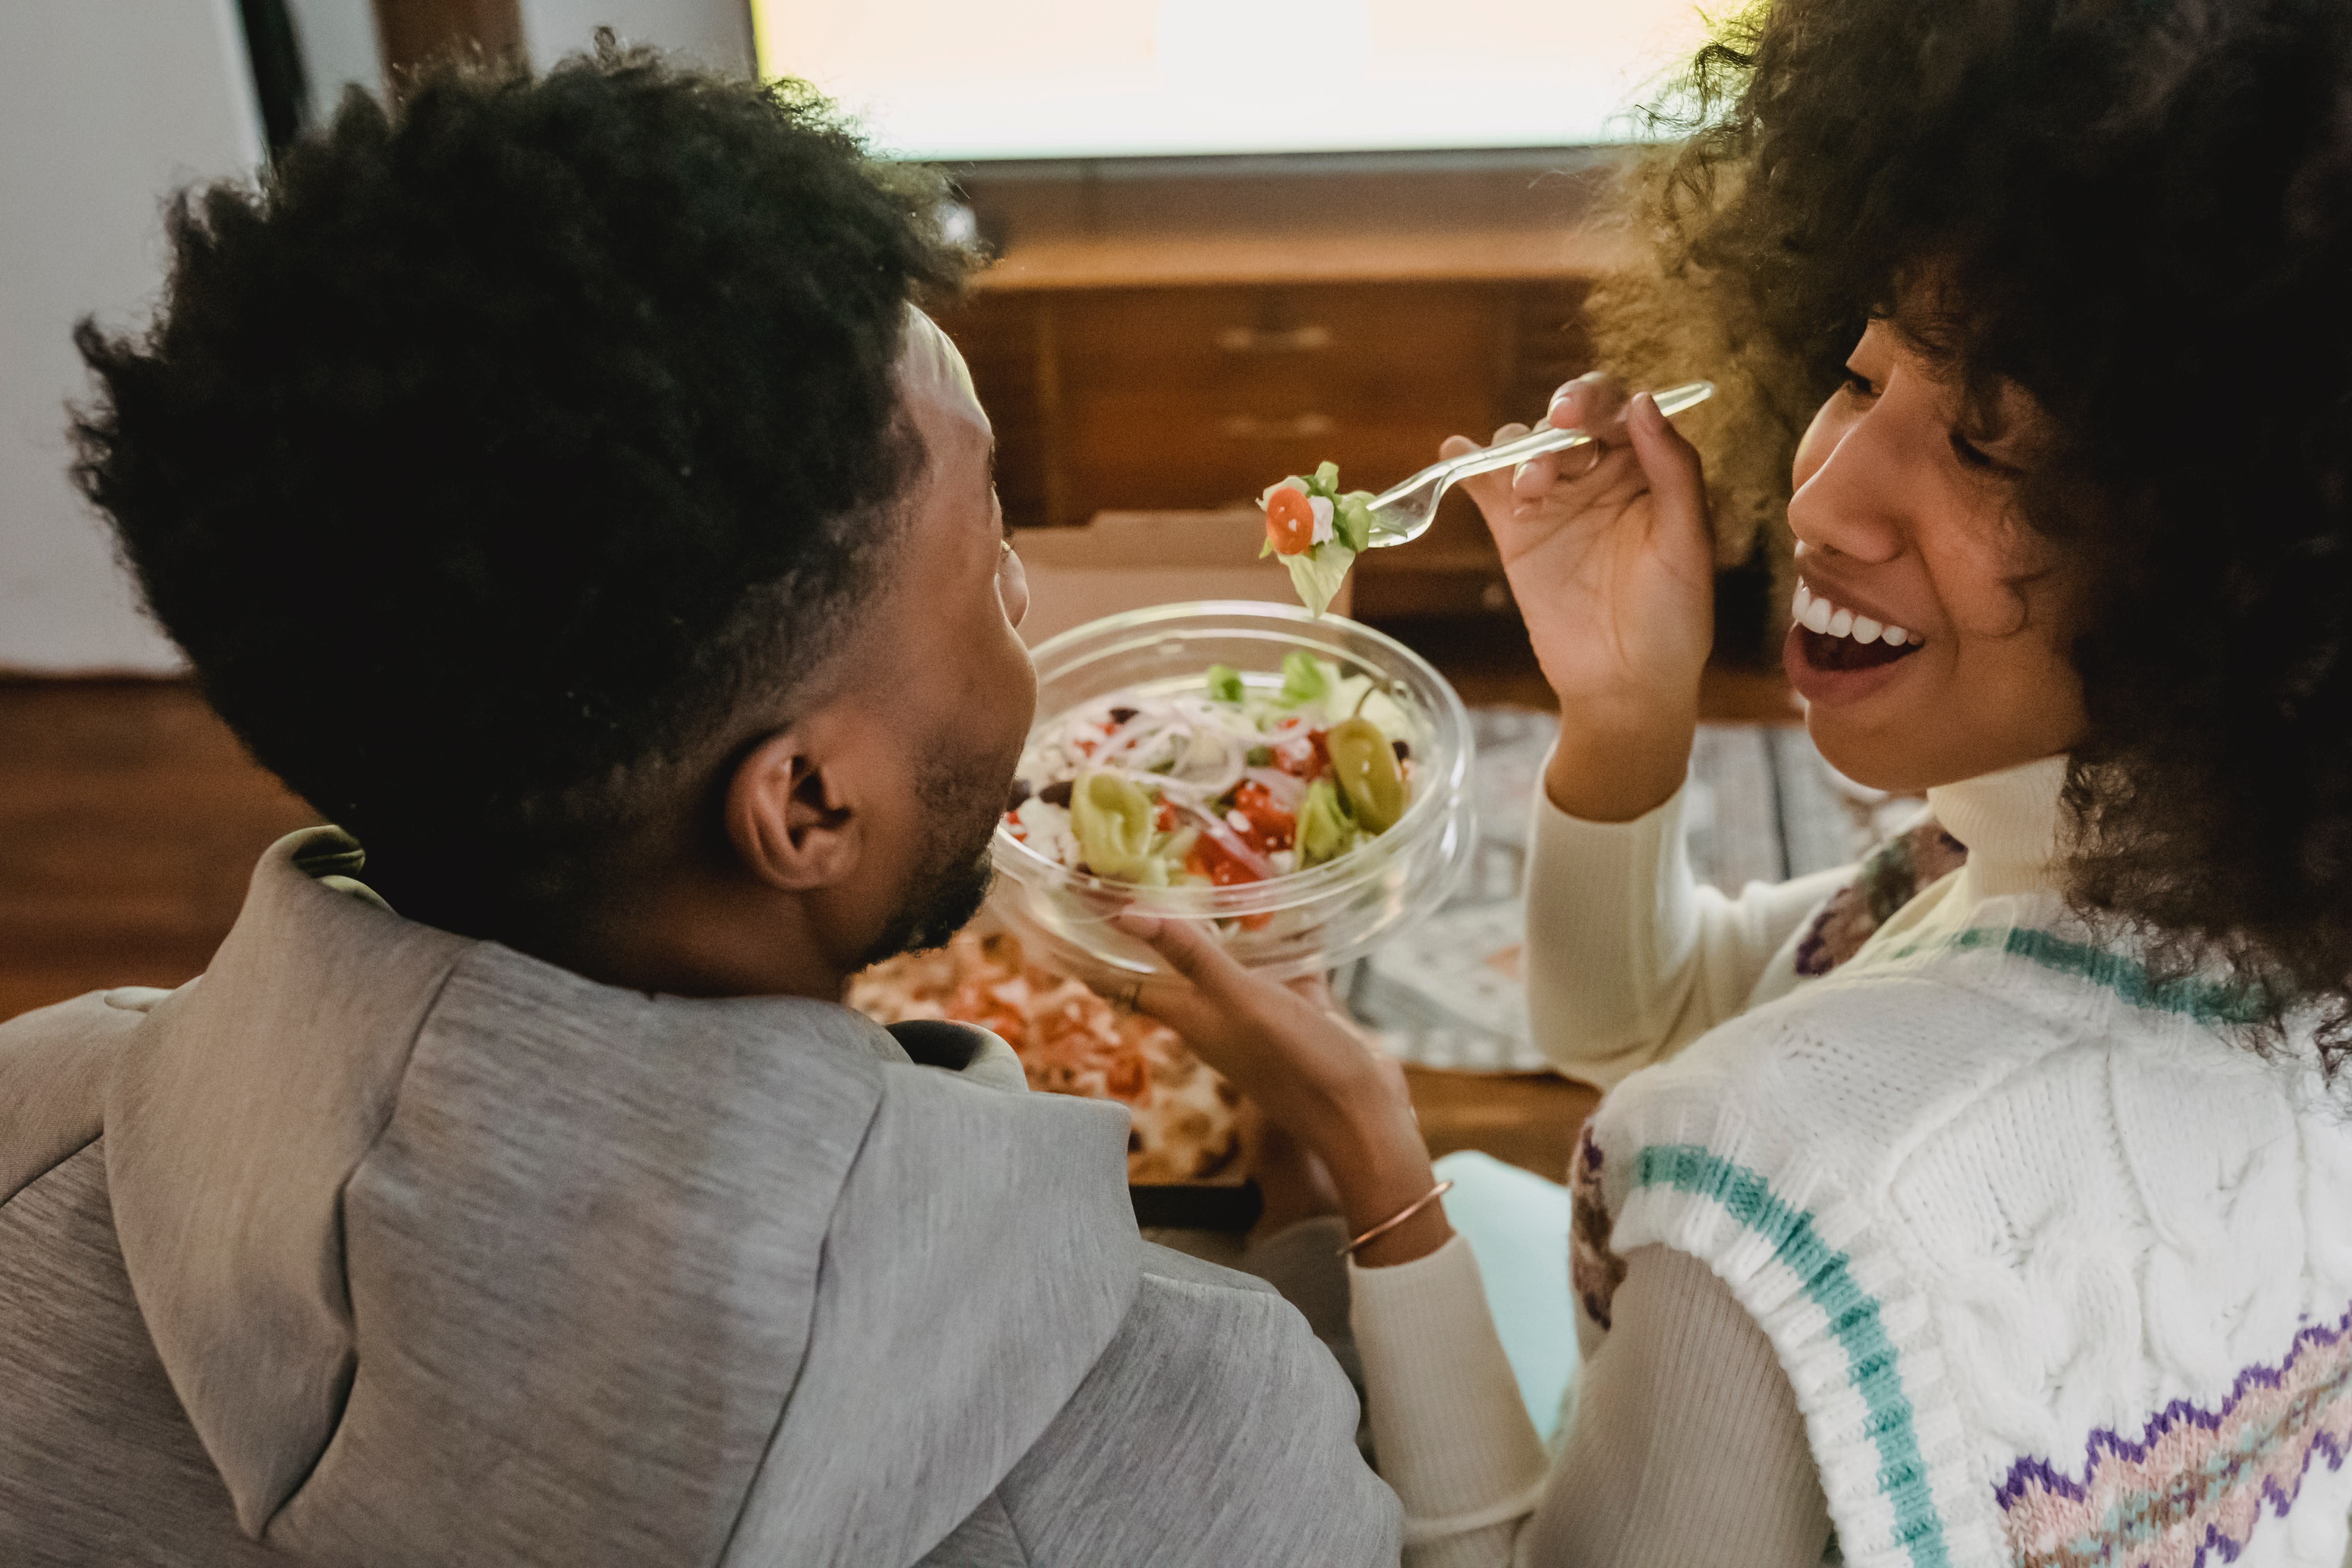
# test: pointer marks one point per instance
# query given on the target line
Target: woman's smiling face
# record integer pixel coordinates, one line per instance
(1906, 527)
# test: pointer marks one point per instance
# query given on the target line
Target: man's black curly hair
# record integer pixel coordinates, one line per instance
(488, 457)
(2141, 212)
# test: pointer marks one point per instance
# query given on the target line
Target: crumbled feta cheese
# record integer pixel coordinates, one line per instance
(1047, 830)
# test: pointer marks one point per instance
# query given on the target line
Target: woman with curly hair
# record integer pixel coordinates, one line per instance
(1990, 1203)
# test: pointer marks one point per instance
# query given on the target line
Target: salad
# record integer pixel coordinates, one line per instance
(1224, 783)
(1317, 531)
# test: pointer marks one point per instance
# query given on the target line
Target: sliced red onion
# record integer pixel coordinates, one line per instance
(1229, 770)
(1286, 789)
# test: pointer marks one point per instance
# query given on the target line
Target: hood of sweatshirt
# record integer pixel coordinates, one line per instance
(452, 1255)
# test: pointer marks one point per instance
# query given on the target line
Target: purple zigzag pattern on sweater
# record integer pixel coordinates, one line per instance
(2194, 1486)
(1592, 1268)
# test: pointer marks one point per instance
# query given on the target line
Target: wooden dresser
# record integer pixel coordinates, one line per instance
(1157, 337)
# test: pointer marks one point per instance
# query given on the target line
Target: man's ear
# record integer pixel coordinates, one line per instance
(789, 824)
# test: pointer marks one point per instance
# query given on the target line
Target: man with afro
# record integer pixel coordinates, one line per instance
(556, 483)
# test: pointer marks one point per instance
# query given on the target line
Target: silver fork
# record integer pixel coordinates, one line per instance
(1402, 512)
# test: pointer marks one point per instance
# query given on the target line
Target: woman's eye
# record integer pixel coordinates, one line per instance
(1970, 455)
(1860, 384)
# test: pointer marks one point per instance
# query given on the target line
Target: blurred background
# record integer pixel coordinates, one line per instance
(1233, 238)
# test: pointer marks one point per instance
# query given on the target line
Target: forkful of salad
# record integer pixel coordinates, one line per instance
(1317, 531)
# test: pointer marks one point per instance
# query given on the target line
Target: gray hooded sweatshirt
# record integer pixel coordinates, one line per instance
(377, 1245)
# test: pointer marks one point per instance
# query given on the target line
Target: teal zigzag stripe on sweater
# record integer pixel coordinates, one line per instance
(2125, 978)
(1854, 1317)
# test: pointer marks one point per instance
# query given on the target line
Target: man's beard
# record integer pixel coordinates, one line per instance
(952, 870)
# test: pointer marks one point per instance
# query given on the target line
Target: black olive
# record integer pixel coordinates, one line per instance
(1403, 751)
(1020, 793)
(1121, 715)
(1057, 792)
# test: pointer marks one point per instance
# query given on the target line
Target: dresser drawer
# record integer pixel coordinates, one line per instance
(1233, 337)
(1160, 449)
(1204, 397)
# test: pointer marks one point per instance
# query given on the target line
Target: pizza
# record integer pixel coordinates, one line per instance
(1070, 1041)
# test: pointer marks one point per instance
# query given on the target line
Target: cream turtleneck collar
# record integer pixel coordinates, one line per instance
(2011, 821)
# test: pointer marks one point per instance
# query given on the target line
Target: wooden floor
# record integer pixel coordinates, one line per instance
(130, 819)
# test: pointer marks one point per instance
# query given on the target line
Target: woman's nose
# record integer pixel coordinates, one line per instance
(1844, 500)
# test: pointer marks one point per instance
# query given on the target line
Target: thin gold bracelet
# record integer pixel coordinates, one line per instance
(1399, 1217)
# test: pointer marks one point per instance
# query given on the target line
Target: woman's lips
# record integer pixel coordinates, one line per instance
(1829, 671)
(1837, 654)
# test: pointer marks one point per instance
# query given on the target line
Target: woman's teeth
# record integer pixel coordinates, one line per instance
(1816, 614)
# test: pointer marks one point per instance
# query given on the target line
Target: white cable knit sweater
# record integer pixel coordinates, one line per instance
(2053, 1273)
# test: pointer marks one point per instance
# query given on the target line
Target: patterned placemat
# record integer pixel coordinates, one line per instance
(1764, 806)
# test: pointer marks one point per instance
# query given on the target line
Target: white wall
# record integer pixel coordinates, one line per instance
(105, 105)
(718, 32)
(339, 45)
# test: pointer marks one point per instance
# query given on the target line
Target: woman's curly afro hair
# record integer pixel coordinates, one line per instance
(2143, 210)
(485, 458)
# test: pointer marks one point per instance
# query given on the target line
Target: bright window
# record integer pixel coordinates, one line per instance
(1052, 78)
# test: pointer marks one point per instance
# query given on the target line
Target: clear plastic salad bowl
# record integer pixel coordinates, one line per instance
(1293, 924)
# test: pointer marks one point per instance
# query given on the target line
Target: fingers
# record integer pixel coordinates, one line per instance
(1210, 988)
(1532, 479)
(1594, 400)
(1614, 479)
(1590, 475)
(1282, 1046)
(1493, 491)
(1189, 949)
(1670, 463)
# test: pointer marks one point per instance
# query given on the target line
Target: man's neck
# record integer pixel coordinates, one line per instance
(697, 940)
(703, 941)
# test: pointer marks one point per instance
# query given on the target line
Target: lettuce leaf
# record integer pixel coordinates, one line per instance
(1224, 683)
(1351, 520)
(1304, 678)
(1317, 574)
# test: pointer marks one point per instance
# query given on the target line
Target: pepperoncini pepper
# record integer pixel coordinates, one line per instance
(1366, 767)
(1113, 820)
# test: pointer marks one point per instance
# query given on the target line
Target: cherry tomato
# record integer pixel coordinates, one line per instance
(1289, 522)
(1211, 859)
(1270, 827)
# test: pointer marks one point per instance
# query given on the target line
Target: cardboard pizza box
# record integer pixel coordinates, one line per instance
(1130, 560)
